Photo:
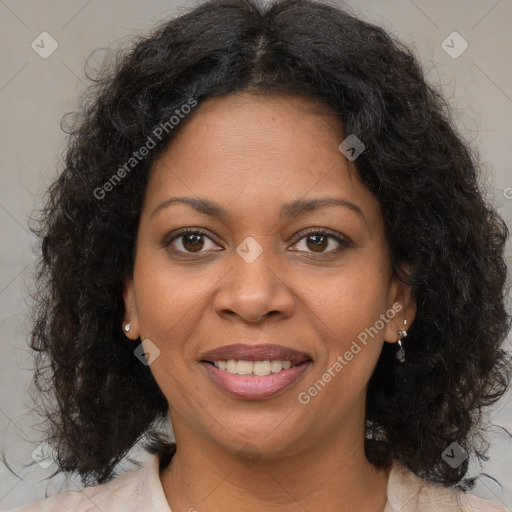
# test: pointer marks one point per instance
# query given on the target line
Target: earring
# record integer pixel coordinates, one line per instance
(400, 353)
(127, 328)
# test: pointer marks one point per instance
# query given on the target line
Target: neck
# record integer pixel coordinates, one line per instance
(331, 475)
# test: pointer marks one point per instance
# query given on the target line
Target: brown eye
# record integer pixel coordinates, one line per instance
(318, 242)
(321, 242)
(190, 242)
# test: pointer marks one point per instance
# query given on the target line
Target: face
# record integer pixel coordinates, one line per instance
(284, 268)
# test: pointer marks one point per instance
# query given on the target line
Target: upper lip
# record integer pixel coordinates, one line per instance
(260, 352)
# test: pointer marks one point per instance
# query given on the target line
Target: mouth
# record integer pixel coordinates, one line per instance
(254, 372)
(253, 368)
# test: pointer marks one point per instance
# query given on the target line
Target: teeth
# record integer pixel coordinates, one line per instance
(231, 366)
(257, 368)
(261, 368)
(276, 365)
(245, 367)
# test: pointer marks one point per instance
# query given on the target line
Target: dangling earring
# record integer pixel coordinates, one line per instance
(127, 328)
(400, 353)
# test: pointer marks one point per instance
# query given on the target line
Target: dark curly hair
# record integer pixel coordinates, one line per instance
(446, 241)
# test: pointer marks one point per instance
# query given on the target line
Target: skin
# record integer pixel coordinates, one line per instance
(251, 155)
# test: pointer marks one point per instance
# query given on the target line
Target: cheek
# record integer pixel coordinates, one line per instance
(170, 302)
(346, 308)
(347, 301)
(170, 305)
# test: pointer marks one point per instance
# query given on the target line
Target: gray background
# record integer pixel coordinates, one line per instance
(35, 93)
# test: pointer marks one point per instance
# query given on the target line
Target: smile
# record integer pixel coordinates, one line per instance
(255, 372)
(255, 368)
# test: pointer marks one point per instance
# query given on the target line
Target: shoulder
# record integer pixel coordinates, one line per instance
(138, 490)
(409, 493)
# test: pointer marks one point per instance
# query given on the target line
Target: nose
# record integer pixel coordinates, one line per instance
(254, 291)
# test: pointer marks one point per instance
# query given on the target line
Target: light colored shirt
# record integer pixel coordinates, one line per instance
(140, 490)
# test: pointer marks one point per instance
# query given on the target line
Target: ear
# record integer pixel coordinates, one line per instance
(130, 311)
(403, 304)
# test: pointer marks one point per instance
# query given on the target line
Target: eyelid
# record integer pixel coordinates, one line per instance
(342, 240)
(321, 231)
(170, 237)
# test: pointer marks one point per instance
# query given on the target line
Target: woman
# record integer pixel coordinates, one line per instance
(268, 229)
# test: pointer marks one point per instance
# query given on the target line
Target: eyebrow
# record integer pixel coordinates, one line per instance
(294, 209)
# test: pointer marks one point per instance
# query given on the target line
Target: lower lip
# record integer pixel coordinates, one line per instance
(252, 387)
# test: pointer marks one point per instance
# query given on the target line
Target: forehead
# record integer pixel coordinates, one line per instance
(260, 125)
(260, 152)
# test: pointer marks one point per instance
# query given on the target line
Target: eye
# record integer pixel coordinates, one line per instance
(197, 241)
(190, 241)
(318, 241)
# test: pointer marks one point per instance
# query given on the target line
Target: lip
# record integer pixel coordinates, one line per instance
(252, 387)
(249, 387)
(260, 352)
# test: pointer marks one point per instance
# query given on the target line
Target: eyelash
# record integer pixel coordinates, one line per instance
(343, 242)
